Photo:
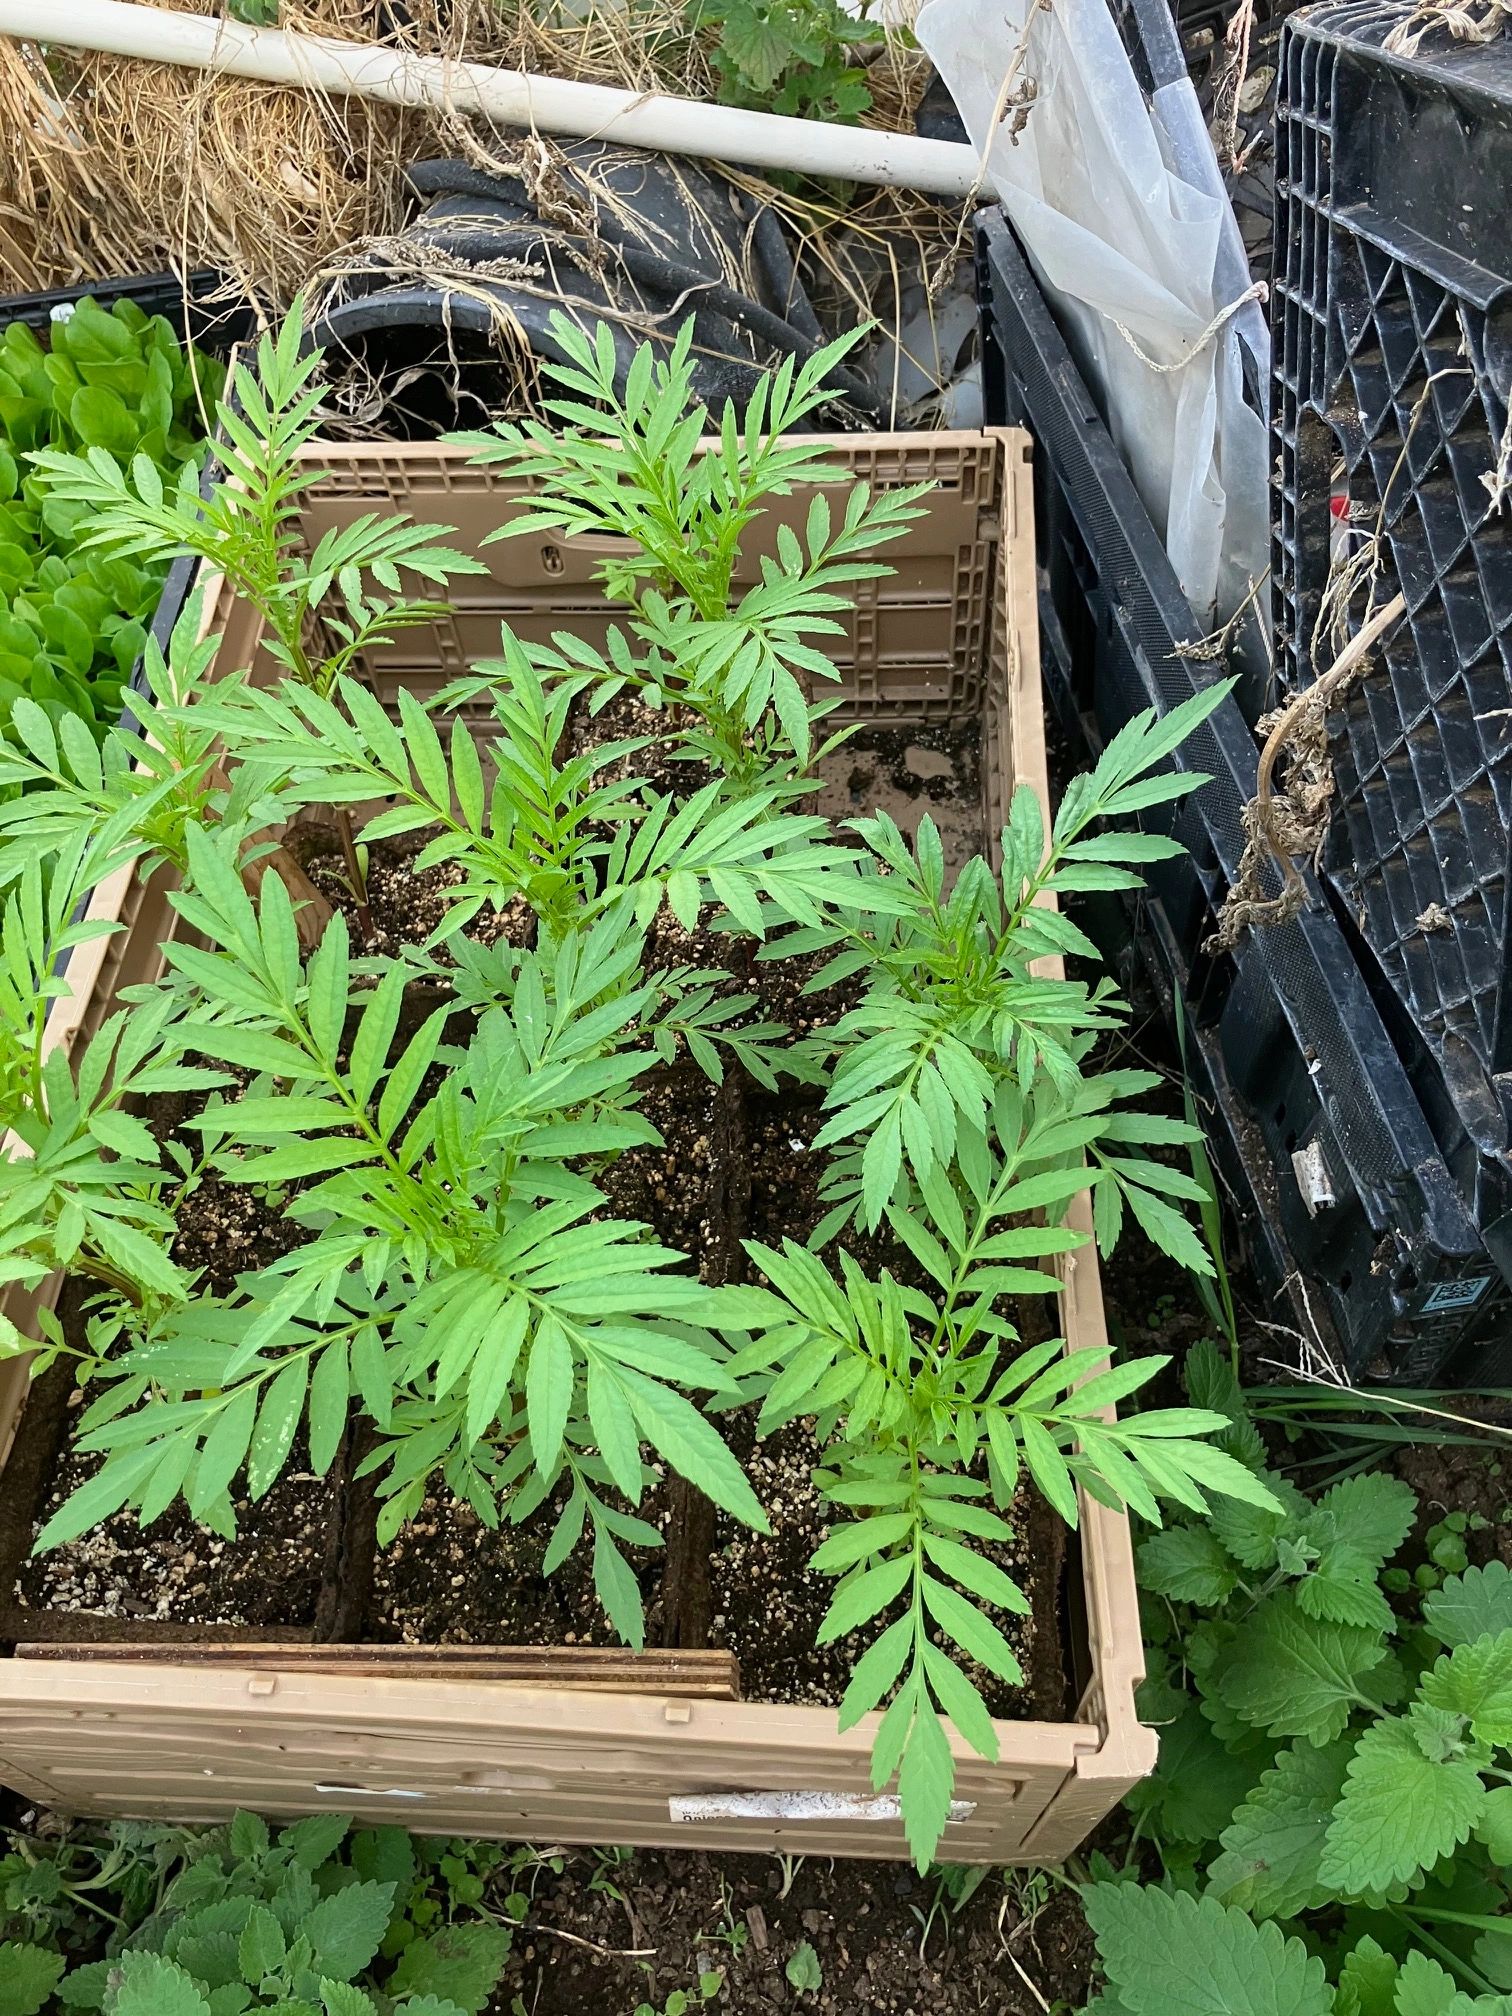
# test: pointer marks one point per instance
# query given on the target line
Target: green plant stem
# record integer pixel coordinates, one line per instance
(1447, 1954)
(1279, 1404)
(354, 867)
(109, 1277)
(1477, 1921)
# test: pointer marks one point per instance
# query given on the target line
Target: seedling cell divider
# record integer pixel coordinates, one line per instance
(570, 1744)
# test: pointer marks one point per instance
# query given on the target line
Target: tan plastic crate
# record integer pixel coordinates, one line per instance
(950, 636)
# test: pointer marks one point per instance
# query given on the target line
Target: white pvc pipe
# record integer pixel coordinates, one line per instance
(507, 97)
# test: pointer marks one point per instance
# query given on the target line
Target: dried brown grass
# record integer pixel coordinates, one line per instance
(110, 166)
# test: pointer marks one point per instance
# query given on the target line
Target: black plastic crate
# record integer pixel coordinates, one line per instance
(204, 308)
(1392, 320)
(1342, 1192)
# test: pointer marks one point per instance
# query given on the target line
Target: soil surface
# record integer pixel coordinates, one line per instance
(627, 719)
(1477, 1482)
(681, 1189)
(768, 1603)
(178, 1571)
(447, 1580)
(886, 1942)
(403, 906)
(908, 773)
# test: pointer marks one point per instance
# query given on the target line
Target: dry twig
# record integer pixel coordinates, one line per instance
(1282, 829)
(1461, 19)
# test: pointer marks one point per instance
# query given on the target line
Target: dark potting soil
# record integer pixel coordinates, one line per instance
(784, 1173)
(682, 1188)
(446, 1579)
(1474, 1481)
(731, 1161)
(177, 1571)
(908, 773)
(405, 906)
(608, 1931)
(768, 1603)
(628, 719)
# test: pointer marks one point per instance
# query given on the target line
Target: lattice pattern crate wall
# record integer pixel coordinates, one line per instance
(1342, 1194)
(1393, 358)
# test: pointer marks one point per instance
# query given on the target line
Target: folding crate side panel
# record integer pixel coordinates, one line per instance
(484, 1757)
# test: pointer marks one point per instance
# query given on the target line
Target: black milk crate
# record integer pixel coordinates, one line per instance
(1342, 1194)
(1392, 320)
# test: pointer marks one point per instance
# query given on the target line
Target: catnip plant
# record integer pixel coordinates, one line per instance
(314, 1920)
(1334, 1760)
(439, 1121)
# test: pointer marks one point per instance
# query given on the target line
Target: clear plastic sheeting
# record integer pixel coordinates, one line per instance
(1120, 207)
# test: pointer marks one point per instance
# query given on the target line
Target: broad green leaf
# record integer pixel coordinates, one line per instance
(249, 1836)
(460, 1963)
(1296, 1676)
(1476, 1604)
(1367, 1981)
(803, 1970)
(340, 1998)
(262, 1946)
(1251, 1532)
(84, 1987)
(384, 1855)
(1273, 1847)
(1424, 1988)
(1372, 1512)
(1197, 1784)
(346, 1928)
(28, 1976)
(1188, 1563)
(1494, 1829)
(1399, 1812)
(1475, 1680)
(314, 1840)
(1177, 1955)
(152, 1986)
(1341, 1586)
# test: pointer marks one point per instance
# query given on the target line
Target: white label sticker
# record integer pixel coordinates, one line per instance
(798, 1806)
